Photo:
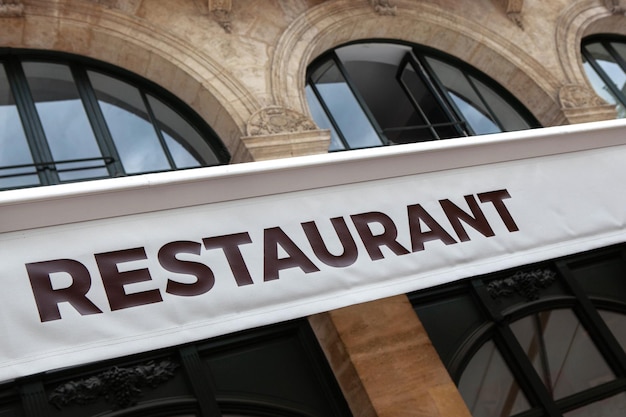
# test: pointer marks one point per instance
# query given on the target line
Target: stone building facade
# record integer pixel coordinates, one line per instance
(242, 65)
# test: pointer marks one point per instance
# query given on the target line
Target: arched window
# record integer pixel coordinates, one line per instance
(604, 61)
(65, 118)
(375, 93)
(544, 340)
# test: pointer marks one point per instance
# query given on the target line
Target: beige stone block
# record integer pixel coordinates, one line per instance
(287, 145)
(392, 356)
(12, 32)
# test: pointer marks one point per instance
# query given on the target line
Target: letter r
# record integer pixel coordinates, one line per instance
(48, 298)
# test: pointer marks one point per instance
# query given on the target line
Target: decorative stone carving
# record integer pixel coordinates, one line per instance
(616, 6)
(118, 386)
(384, 7)
(573, 96)
(11, 8)
(527, 284)
(275, 120)
(220, 10)
(513, 10)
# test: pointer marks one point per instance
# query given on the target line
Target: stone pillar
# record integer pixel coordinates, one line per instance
(385, 363)
(277, 132)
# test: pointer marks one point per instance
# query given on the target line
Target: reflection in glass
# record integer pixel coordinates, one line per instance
(180, 137)
(610, 73)
(64, 120)
(480, 123)
(126, 116)
(488, 387)
(322, 119)
(561, 352)
(13, 143)
(348, 114)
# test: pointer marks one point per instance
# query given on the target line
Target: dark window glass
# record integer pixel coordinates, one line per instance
(66, 118)
(372, 94)
(604, 61)
(277, 370)
(549, 339)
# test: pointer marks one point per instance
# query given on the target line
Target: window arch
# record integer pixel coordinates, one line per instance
(545, 340)
(604, 61)
(379, 93)
(67, 118)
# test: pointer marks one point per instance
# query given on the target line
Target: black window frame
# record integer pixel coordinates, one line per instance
(46, 168)
(605, 40)
(417, 57)
(497, 320)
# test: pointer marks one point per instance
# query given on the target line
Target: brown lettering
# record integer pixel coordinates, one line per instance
(114, 280)
(418, 215)
(273, 237)
(204, 275)
(230, 245)
(495, 198)
(374, 242)
(48, 298)
(350, 252)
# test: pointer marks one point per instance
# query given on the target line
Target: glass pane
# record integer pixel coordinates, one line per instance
(64, 120)
(134, 135)
(488, 387)
(322, 120)
(561, 352)
(344, 108)
(608, 64)
(480, 123)
(508, 117)
(183, 141)
(13, 145)
(617, 324)
(601, 88)
(426, 102)
(609, 407)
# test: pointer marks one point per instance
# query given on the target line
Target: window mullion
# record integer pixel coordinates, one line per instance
(594, 324)
(608, 81)
(329, 114)
(484, 103)
(438, 90)
(360, 99)
(105, 142)
(40, 151)
(157, 129)
(515, 356)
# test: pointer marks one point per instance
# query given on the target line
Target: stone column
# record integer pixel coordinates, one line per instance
(385, 363)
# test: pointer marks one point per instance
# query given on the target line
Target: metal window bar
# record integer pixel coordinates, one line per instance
(53, 166)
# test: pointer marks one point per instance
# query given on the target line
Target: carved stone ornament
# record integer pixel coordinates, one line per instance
(118, 386)
(384, 7)
(616, 6)
(11, 8)
(527, 284)
(220, 10)
(573, 96)
(513, 10)
(276, 120)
